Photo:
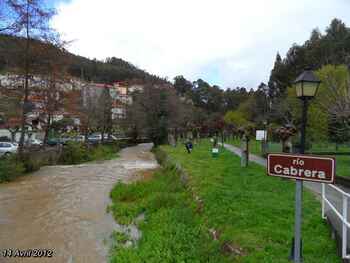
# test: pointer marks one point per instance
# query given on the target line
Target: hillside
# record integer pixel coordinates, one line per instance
(111, 70)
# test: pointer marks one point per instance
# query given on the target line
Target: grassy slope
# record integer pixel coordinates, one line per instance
(250, 211)
(172, 231)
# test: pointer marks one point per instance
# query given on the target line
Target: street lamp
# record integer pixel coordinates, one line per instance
(306, 86)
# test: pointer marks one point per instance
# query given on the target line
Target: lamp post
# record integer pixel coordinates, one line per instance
(306, 86)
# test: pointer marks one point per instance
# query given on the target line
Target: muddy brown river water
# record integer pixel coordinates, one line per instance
(63, 208)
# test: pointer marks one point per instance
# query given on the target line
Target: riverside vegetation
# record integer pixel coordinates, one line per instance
(220, 213)
(73, 153)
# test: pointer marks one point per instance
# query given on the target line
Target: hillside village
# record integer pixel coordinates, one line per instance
(79, 91)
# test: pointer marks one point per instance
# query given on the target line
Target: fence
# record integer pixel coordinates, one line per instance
(342, 215)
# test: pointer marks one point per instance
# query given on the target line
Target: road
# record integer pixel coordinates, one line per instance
(63, 208)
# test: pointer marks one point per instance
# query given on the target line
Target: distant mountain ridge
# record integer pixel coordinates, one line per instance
(109, 71)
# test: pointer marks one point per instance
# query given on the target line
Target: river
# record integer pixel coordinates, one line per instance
(63, 208)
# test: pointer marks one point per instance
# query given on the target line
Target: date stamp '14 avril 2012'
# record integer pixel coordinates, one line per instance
(27, 253)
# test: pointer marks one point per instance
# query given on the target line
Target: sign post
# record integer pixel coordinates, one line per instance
(301, 168)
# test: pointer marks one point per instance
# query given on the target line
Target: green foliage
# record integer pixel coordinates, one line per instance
(236, 118)
(10, 169)
(333, 47)
(317, 126)
(119, 237)
(103, 152)
(334, 85)
(30, 163)
(76, 152)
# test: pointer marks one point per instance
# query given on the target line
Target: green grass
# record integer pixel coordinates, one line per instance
(255, 146)
(343, 165)
(172, 230)
(249, 210)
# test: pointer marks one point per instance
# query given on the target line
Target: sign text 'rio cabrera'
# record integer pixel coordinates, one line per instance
(302, 167)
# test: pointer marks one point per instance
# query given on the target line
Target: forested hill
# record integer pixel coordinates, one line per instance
(108, 71)
(331, 47)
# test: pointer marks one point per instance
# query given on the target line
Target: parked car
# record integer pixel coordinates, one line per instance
(95, 138)
(79, 138)
(7, 148)
(53, 141)
(35, 142)
(65, 139)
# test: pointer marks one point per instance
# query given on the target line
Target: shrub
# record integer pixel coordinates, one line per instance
(74, 153)
(10, 169)
(30, 162)
(103, 152)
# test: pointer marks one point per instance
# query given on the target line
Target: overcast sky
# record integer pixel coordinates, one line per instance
(225, 42)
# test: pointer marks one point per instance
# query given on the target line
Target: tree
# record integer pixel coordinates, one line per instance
(182, 85)
(7, 21)
(11, 97)
(53, 72)
(154, 111)
(278, 81)
(104, 112)
(236, 118)
(207, 97)
(334, 99)
(30, 21)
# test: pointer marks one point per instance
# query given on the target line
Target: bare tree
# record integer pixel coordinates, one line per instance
(154, 111)
(54, 64)
(11, 96)
(28, 20)
(104, 112)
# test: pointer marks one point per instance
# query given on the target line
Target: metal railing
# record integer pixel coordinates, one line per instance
(343, 215)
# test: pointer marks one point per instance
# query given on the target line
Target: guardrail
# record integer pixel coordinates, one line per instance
(343, 215)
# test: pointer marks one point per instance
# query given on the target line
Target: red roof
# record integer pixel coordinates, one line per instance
(11, 123)
(101, 85)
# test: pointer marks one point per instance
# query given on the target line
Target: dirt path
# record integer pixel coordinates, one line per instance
(63, 208)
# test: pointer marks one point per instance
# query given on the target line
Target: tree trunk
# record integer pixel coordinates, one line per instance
(47, 129)
(13, 136)
(245, 152)
(103, 135)
(26, 85)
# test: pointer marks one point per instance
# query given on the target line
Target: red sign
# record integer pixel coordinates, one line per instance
(303, 167)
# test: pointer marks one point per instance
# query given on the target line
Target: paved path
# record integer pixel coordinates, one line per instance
(332, 195)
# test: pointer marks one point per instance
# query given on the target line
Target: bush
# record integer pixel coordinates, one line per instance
(74, 153)
(104, 152)
(10, 169)
(30, 162)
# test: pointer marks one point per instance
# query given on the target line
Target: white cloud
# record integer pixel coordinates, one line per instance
(236, 40)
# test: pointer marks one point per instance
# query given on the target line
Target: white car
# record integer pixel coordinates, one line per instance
(7, 148)
(35, 142)
(80, 138)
